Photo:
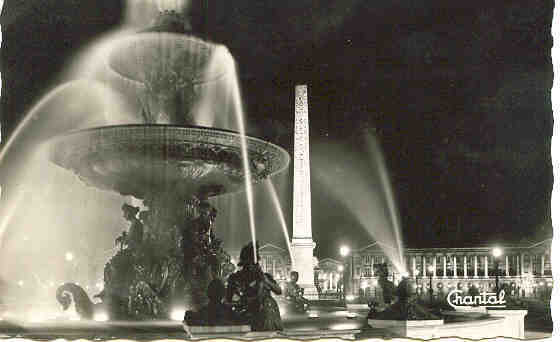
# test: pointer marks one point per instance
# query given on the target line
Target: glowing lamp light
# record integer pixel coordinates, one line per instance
(350, 298)
(351, 315)
(497, 252)
(178, 314)
(313, 314)
(340, 268)
(20, 283)
(101, 317)
(69, 256)
(406, 274)
(344, 251)
(363, 285)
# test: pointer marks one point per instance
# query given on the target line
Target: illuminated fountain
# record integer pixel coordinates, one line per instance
(170, 253)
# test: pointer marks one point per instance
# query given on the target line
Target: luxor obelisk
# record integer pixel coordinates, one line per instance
(302, 239)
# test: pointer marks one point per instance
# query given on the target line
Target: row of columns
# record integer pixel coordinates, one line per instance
(330, 282)
(517, 259)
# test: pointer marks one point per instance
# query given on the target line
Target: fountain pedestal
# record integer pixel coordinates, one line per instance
(169, 254)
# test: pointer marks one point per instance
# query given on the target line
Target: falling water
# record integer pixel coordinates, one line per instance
(29, 116)
(248, 181)
(222, 59)
(108, 102)
(8, 213)
(214, 107)
(280, 212)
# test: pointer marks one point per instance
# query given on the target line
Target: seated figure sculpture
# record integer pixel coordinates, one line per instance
(294, 293)
(249, 292)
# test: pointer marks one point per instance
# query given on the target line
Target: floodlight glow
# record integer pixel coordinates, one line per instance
(497, 252)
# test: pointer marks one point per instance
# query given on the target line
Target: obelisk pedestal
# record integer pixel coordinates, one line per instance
(302, 239)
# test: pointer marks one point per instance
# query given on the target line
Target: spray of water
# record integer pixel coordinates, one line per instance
(222, 59)
(91, 62)
(214, 107)
(248, 179)
(280, 213)
(8, 213)
(110, 110)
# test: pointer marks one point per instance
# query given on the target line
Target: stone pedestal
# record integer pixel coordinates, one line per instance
(302, 249)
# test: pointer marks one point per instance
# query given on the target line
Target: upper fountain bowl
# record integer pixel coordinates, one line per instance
(139, 160)
(168, 72)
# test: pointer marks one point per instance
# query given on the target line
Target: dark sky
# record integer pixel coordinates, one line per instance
(457, 93)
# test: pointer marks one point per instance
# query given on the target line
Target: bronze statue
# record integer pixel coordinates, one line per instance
(294, 293)
(136, 230)
(249, 291)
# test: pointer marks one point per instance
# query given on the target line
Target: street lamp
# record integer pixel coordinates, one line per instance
(69, 256)
(344, 251)
(497, 253)
(432, 270)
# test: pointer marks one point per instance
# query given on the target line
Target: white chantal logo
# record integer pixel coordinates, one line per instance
(484, 299)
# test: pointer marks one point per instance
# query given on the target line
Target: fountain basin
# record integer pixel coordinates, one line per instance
(500, 323)
(139, 160)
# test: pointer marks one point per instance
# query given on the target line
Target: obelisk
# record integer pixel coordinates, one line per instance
(302, 239)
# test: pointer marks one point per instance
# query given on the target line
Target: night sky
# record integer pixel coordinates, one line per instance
(457, 93)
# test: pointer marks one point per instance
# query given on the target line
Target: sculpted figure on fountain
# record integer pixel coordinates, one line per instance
(249, 291)
(294, 293)
(168, 255)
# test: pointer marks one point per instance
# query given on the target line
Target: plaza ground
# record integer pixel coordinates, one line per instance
(327, 319)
